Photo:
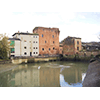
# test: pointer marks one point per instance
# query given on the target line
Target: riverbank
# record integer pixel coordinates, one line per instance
(76, 58)
(20, 60)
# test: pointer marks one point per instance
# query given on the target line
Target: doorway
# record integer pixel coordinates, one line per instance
(30, 53)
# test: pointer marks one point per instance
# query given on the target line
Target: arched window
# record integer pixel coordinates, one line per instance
(42, 35)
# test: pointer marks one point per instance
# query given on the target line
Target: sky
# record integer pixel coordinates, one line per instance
(25, 15)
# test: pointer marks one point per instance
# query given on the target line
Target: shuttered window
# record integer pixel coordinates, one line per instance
(12, 43)
(12, 50)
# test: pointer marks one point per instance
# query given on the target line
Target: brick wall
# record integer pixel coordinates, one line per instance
(68, 49)
(71, 46)
(48, 40)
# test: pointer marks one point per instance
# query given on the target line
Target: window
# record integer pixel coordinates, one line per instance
(53, 36)
(12, 43)
(77, 42)
(12, 50)
(24, 47)
(30, 41)
(43, 29)
(49, 49)
(77, 48)
(53, 48)
(42, 35)
(33, 36)
(36, 52)
(43, 49)
(36, 42)
(33, 47)
(25, 53)
(53, 41)
(45, 41)
(36, 36)
(36, 47)
(33, 52)
(33, 41)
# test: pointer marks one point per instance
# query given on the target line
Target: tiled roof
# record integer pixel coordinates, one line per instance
(26, 33)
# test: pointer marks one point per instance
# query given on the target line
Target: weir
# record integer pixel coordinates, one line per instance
(30, 60)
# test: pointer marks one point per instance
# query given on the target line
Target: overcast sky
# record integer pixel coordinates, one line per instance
(13, 18)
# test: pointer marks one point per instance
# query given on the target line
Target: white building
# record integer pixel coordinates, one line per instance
(28, 44)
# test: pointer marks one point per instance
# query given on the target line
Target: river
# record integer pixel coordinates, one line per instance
(47, 74)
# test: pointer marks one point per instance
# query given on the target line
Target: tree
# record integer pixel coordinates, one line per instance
(4, 48)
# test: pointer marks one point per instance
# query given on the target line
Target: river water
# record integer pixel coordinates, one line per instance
(48, 74)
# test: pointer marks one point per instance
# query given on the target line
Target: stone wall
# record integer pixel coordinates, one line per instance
(88, 54)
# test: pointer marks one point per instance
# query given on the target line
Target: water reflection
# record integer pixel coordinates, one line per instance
(54, 74)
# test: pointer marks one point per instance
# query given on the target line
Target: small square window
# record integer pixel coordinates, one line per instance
(36, 42)
(24, 47)
(33, 52)
(33, 36)
(77, 48)
(33, 41)
(36, 52)
(53, 48)
(43, 49)
(53, 36)
(36, 36)
(77, 42)
(36, 47)
(33, 47)
(53, 41)
(25, 53)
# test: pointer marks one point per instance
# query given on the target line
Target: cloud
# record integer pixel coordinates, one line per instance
(79, 29)
(65, 21)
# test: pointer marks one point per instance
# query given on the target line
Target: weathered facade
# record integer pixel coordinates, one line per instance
(27, 46)
(14, 44)
(48, 40)
(71, 45)
(60, 48)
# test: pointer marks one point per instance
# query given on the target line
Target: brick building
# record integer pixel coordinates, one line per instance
(71, 45)
(48, 40)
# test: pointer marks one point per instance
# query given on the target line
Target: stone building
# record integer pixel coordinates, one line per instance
(48, 40)
(71, 45)
(24, 44)
(60, 48)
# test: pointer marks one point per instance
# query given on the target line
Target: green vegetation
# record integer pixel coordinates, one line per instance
(4, 48)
